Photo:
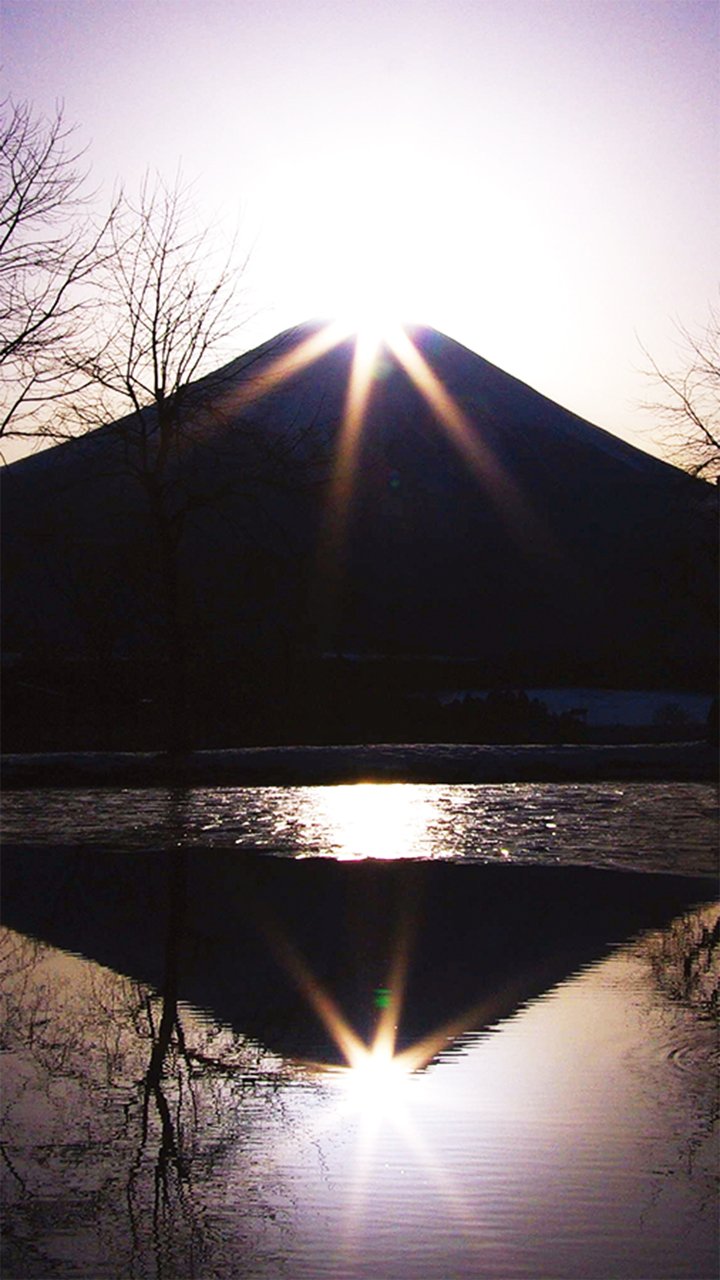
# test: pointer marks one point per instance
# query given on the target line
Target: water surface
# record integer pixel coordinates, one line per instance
(656, 826)
(575, 1138)
(192, 983)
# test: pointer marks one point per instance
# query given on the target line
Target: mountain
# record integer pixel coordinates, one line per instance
(480, 523)
(484, 939)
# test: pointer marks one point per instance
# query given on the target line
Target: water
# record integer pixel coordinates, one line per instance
(548, 1110)
(653, 826)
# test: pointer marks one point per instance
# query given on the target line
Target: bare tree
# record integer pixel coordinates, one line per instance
(163, 443)
(49, 249)
(168, 304)
(167, 301)
(686, 400)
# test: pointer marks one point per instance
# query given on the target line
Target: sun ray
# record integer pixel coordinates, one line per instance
(285, 366)
(370, 1060)
(346, 462)
(486, 467)
(372, 332)
(370, 336)
(501, 1004)
(376, 1089)
(338, 1028)
(391, 1008)
(446, 1186)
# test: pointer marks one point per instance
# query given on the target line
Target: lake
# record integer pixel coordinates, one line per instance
(656, 826)
(401, 1030)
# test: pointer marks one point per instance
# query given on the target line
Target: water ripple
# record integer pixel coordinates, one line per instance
(649, 826)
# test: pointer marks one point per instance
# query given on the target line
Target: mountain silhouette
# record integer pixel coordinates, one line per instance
(475, 521)
(477, 940)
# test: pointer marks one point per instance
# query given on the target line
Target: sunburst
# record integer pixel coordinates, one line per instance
(375, 1086)
(378, 336)
(372, 331)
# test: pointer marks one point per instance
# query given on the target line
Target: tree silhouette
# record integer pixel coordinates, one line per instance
(686, 400)
(170, 303)
(49, 251)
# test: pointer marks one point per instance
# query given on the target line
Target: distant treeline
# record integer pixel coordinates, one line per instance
(121, 705)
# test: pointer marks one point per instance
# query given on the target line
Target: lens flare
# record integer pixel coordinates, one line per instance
(376, 330)
(375, 1081)
(284, 366)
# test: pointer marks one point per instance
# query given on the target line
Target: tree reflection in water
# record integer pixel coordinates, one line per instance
(132, 1101)
(122, 1107)
(684, 960)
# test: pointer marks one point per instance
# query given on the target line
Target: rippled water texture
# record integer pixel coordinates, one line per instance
(573, 1139)
(660, 826)
(367, 1032)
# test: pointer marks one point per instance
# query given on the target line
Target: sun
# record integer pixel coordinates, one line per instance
(376, 1080)
(372, 317)
(369, 315)
(360, 242)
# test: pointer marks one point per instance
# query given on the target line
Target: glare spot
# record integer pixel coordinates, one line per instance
(375, 820)
(372, 322)
(376, 1081)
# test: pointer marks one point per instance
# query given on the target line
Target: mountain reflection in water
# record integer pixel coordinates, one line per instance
(263, 942)
(163, 1116)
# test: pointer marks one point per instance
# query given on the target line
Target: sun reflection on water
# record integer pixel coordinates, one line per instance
(373, 820)
(376, 1083)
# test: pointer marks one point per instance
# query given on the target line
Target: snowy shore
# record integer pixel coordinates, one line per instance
(311, 765)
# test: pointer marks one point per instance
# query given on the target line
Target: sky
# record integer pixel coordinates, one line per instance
(538, 179)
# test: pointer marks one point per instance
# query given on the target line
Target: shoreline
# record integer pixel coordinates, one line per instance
(446, 763)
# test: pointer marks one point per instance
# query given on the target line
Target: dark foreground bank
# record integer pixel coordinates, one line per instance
(313, 765)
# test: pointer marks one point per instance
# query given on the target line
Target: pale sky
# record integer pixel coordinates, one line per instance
(539, 179)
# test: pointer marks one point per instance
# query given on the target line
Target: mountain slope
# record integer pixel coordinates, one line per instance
(534, 544)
